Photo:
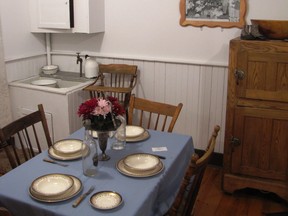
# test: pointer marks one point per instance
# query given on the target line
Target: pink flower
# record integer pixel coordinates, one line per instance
(100, 107)
(101, 112)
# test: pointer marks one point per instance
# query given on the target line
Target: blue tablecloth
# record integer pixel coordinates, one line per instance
(142, 196)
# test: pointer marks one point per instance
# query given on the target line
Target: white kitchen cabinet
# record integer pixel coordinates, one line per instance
(55, 14)
(67, 16)
(60, 109)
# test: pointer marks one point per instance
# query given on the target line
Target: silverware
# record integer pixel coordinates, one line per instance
(54, 162)
(159, 156)
(79, 200)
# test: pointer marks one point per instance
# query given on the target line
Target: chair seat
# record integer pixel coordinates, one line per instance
(100, 88)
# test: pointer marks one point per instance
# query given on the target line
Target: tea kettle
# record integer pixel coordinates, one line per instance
(91, 67)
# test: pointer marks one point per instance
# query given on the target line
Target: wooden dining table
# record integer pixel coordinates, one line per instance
(145, 195)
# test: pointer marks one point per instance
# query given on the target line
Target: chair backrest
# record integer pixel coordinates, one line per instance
(190, 185)
(24, 133)
(117, 80)
(153, 115)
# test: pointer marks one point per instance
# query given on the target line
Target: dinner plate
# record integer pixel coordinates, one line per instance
(142, 137)
(134, 131)
(121, 168)
(140, 162)
(106, 200)
(77, 187)
(52, 185)
(53, 154)
(68, 146)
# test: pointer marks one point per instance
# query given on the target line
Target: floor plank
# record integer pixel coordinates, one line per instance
(212, 201)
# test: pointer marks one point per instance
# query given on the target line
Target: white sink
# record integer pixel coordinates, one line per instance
(60, 83)
(62, 86)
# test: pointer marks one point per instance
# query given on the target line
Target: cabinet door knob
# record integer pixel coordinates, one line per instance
(235, 141)
(239, 75)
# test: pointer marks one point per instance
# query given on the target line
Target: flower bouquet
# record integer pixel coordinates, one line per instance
(102, 115)
(101, 112)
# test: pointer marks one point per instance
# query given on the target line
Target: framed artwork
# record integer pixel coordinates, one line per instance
(213, 13)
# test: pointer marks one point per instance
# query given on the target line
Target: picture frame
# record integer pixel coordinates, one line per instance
(213, 13)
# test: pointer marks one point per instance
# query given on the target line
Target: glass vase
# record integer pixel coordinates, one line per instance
(89, 155)
(102, 141)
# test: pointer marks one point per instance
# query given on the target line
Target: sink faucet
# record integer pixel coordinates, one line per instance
(79, 59)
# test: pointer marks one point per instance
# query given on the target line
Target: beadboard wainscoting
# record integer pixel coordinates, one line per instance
(22, 67)
(201, 88)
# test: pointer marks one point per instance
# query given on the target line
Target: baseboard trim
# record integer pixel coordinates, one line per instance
(216, 160)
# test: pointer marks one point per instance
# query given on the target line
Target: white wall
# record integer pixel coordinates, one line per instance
(151, 29)
(145, 29)
(17, 40)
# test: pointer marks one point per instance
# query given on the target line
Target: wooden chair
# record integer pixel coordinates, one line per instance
(189, 188)
(4, 212)
(117, 80)
(25, 132)
(153, 115)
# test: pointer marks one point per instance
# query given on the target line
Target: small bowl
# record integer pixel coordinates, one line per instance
(52, 185)
(68, 147)
(134, 131)
(140, 162)
(45, 82)
(272, 29)
(50, 69)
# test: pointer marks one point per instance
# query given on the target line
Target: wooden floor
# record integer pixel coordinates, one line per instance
(212, 201)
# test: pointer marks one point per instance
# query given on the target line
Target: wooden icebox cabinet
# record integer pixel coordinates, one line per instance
(256, 133)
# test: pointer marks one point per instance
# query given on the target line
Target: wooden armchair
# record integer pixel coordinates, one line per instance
(153, 115)
(117, 80)
(24, 131)
(189, 188)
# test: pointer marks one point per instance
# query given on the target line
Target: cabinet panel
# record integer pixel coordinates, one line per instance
(54, 14)
(263, 136)
(265, 75)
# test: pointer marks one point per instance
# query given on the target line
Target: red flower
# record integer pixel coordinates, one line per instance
(88, 109)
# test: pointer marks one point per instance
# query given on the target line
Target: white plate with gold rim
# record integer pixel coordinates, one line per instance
(142, 137)
(105, 200)
(52, 185)
(141, 162)
(77, 187)
(68, 146)
(122, 169)
(133, 131)
(53, 154)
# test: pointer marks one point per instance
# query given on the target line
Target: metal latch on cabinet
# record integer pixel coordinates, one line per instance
(239, 75)
(235, 142)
